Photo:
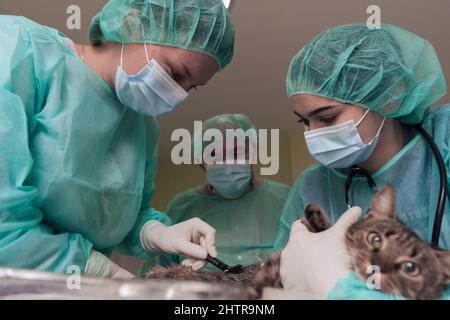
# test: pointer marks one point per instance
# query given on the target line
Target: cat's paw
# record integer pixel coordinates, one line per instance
(315, 219)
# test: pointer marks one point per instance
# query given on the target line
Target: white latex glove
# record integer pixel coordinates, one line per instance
(98, 265)
(194, 238)
(314, 262)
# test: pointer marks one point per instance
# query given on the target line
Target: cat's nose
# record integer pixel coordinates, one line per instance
(382, 263)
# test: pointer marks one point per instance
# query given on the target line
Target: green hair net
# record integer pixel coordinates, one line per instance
(389, 70)
(197, 25)
(222, 123)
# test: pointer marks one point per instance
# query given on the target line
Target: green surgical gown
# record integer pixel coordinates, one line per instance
(76, 166)
(245, 227)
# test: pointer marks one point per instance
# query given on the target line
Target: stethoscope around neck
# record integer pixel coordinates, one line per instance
(360, 172)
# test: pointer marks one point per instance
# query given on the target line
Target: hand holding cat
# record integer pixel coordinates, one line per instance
(313, 262)
(194, 238)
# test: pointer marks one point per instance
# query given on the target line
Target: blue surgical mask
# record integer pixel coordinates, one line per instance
(151, 91)
(341, 146)
(230, 181)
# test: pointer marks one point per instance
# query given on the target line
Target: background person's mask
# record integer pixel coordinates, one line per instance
(151, 91)
(340, 146)
(230, 181)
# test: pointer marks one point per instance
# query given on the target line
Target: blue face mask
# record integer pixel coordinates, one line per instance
(151, 92)
(340, 146)
(230, 181)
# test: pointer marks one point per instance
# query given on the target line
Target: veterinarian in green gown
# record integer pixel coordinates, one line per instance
(243, 209)
(394, 74)
(76, 164)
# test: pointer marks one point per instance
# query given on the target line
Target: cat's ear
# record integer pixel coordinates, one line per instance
(383, 204)
(444, 258)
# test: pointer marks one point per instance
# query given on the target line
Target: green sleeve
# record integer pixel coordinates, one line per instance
(292, 211)
(25, 241)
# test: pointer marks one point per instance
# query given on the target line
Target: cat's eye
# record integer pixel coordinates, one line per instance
(410, 268)
(375, 240)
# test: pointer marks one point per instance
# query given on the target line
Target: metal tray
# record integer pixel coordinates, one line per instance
(37, 285)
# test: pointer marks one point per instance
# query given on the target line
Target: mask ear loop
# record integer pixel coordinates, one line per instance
(363, 117)
(145, 44)
(381, 127)
(146, 53)
(122, 52)
(121, 56)
(379, 130)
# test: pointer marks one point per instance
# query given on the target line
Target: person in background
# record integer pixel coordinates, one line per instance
(243, 208)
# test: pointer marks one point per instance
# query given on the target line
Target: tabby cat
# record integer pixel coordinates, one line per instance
(409, 266)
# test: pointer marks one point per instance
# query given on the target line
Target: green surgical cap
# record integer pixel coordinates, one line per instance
(389, 70)
(222, 123)
(197, 25)
(228, 121)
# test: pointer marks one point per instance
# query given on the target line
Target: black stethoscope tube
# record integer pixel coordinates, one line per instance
(439, 216)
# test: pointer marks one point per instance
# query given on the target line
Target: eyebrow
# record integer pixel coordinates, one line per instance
(317, 111)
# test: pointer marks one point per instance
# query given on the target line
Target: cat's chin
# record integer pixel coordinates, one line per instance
(362, 274)
(359, 266)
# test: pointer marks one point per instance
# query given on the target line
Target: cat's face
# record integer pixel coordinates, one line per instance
(408, 265)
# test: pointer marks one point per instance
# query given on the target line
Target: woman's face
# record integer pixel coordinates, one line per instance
(318, 112)
(188, 68)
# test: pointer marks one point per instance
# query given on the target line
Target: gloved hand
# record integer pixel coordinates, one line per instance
(98, 265)
(194, 238)
(314, 262)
